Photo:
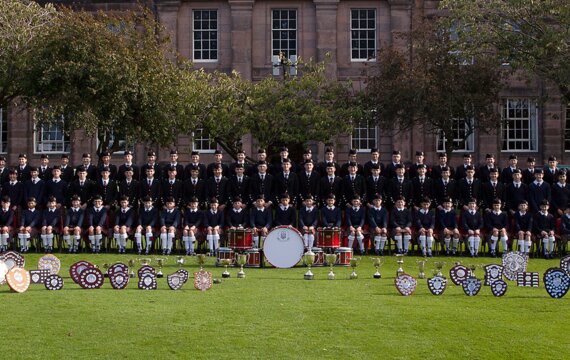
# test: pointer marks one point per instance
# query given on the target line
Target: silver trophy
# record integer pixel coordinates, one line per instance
(225, 263)
(180, 261)
(438, 266)
(201, 259)
(132, 266)
(309, 260)
(331, 260)
(400, 261)
(241, 261)
(160, 262)
(377, 262)
(422, 268)
(353, 264)
(106, 266)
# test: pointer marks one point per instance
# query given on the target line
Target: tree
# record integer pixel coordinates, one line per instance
(529, 35)
(110, 75)
(292, 110)
(21, 22)
(433, 87)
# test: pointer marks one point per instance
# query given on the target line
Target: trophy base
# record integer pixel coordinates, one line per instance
(377, 276)
(331, 276)
(225, 275)
(422, 276)
(241, 275)
(309, 276)
(132, 275)
(159, 275)
(354, 275)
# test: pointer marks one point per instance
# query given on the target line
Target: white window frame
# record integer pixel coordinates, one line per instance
(202, 41)
(364, 29)
(364, 134)
(3, 130)
(567, 130)
(42, 146)
(287, 51)
(509, 125)
(468, 143)
(198, 139)
(122, 145)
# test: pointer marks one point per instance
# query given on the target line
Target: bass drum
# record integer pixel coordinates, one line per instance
(283, 247)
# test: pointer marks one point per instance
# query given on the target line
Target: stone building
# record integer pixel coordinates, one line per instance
(245, 34)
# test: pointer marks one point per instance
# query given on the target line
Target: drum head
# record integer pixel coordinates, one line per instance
(50, 262)
(513, 263)
(283, 247)
(54, 282)
(13, 259)
(175, 281)
(147, 281)
(77, 268)
(38, 276)
(556, 282)
(119, 280)
(406, 284)
(18, 279)
(91, 278)
(185, 275)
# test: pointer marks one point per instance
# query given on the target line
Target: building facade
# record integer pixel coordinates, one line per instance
(244, 35)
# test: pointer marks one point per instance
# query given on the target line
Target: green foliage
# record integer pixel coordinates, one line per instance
(21, 21)
(434, 87)
(275, 314)
(529, 35)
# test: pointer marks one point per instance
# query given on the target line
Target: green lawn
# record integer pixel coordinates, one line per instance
(275, 314)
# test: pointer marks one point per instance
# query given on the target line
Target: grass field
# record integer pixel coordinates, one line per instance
(275, 314)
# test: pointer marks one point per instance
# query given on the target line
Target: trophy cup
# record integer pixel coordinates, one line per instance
(439, 266)
(331, 260)
(377, 262)
(309, 260)
(241, 261)
(400, 262)
(201, 259)
(422, 268)
(145, 261)
(160, 262)
(180, 261)
(131, 266)
(353, 265)
(225, 263)
(106, 266)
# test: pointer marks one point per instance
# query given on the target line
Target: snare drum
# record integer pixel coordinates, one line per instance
(225, 253)
(343, 256)
(283, 247)
(253, 258)
(328, 238)
(319, 256)
(240, 239)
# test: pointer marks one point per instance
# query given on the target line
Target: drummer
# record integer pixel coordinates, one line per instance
(331, 215)
(308, 219)
(237, 217)
(260, 220)
(192, 221)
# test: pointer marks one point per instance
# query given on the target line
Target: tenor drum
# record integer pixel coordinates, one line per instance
(343, 255)
(328, 238)
(319, 256)
(240, 239)
(253, 258)
(225, 253)
(283, 247)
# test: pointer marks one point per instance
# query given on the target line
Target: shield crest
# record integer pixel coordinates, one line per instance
(499, 287)
(147, 281)
(471, 286)
(529, 279)
(565, 264)
(493, 272)
(406, 284)
(513, 263)
(175, 281)
(437, 285)
(458, 274)
(556, 282)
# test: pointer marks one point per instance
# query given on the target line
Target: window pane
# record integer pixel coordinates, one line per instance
(519, 125)
(363, 33)
(205, 34)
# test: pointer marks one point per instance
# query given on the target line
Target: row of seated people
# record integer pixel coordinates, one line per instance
(357, 222)
(297, 186)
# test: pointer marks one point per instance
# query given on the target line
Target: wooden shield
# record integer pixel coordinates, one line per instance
(18, 279)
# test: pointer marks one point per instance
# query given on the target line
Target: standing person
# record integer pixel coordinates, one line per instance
(390, 169)
(329, 161)
(261, 185)
(107, 189)
(528, 173)
(378, 224)
(422, 186)
(353, 185)
(129, 187)
(372, 163)
(106, 164)
(148, 219)
(6, 223)
(461, 170)
(210, 170)
(238, 185)
(401, 225)
(128, 164)
(124, 221)
(67, 172)
(551, 170)
(445, 188)
(44, 169)
(308, 221)
(560, 195)
(172, 187)
(399, 186)
(375, 184)
(23, 168)
(436, 170)
(194, 187)
(83, 187)
(516, 192)
(344, 169)
(173, 163)
(484, 170)
(413, 171)
(507, 173)
(73, 224)
(544, 226)
(195, 163)
(425, 224)
(88, 167)
(355, 219)
(29, 223)
(14, 190)
(240, 156)
(492, 189)
(309, 181)
(97, 223)
(214, 224)
(472, 225)
(286, 182)
(469, 188)
(3, 171)
(330, 184)
(169, 223)
(497, 223)
(150, 187)
(57, 187)
(51, 224)
(217, 187)
(35, 187)
(150, 164)
(193, 218)
(538, 191)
